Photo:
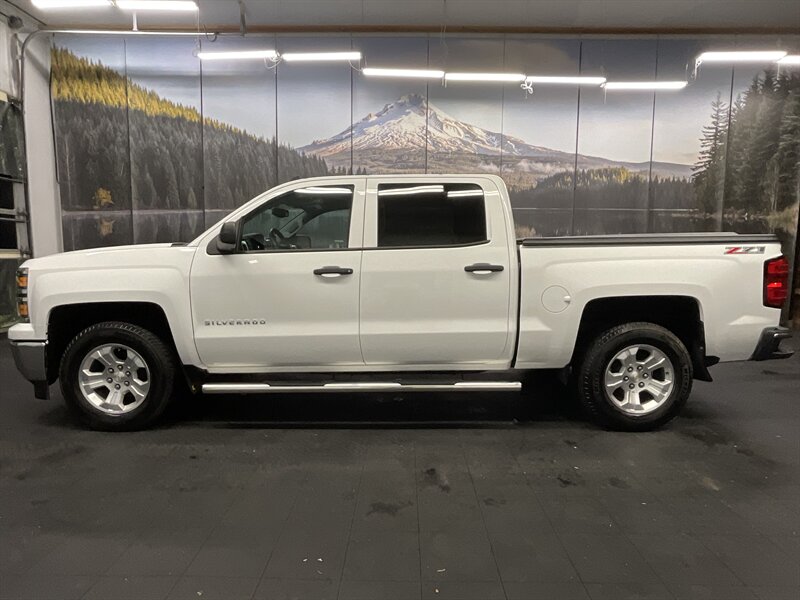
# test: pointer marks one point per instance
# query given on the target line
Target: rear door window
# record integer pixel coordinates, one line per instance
(435, 214)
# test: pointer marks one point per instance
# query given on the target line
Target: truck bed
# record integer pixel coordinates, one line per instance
(721, 273)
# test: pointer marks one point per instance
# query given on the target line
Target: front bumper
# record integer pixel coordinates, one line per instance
(31, 360)
(769, 344)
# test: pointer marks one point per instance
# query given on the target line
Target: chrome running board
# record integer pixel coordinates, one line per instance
(266, 388)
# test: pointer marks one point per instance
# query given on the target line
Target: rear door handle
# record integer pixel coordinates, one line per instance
(333, 271)
(483, 268)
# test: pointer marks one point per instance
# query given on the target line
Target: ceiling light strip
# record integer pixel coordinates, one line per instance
(320, 56)
(238, 55)
(645, 85)
(56, 4)
(381, 72)
(562, 80)
(158, 5)
(496, 77)
(741, 56)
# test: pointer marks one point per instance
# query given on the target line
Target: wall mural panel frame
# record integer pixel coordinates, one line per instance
(152, 145)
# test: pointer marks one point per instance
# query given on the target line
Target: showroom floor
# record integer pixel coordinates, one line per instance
(427, 496)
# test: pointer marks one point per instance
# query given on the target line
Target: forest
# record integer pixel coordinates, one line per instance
(750, 152)
(612, 187)
(122, 147)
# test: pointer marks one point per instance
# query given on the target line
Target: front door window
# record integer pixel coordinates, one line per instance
(310, 218)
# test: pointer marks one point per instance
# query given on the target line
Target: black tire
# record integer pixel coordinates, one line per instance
(158, 356)
(598, 356)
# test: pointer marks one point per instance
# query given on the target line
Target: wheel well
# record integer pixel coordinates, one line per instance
(65, 322)
(679, 314)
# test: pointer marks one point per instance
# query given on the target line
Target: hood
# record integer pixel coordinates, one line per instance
(92, 257)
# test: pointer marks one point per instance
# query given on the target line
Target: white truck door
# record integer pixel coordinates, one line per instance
(436, 274)
(288, 297)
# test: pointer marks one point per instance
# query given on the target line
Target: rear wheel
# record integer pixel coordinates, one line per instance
(635, 377)
(116, 376)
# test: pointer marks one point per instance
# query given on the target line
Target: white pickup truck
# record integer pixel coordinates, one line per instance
(395, 284)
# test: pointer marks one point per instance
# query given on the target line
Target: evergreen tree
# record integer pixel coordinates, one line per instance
(739, 129)
(709, 169)
(149, 197)
(191, 199)
(172, 198)
(788, 152)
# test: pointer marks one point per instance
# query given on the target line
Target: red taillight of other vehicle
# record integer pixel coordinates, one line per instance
(776, 282)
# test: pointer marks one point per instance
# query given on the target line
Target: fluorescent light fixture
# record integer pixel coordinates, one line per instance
(741, 56)
(565, 80)
(378, 72)
(51, 4)
(320, 56)
(790, 59)
(645, 85)
(237, 55)
(418, 189)
(164, 5)
(314, 191)
(501, 77)
(127, 32)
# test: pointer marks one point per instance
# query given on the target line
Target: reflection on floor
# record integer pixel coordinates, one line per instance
(424, 496)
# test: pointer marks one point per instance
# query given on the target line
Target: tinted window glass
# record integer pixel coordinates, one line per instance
(315, 217)
(12, 143)
(430, 214)
(8, 216)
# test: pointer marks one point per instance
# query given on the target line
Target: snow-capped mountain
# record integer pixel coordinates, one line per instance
(411, 122)
(404, 124)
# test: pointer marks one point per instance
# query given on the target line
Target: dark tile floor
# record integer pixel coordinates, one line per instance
(421, 497)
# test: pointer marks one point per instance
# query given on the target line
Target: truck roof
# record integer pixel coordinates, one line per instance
(415, 176)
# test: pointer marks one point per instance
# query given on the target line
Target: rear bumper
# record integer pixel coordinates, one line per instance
(31, 360)
(769, 344)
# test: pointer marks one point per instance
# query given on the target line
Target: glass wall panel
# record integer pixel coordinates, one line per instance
(166, 146)
(240, 157)
(90, 112)
(614, 138)
(390, 114)
(465, 119)
(689, 130)
(540, 135)
(314, 110)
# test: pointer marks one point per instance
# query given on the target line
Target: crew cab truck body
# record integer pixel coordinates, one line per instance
(396, 283)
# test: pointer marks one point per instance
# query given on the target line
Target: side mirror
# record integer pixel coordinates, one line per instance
(226, 240)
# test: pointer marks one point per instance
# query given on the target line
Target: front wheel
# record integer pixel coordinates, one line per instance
(635, 377)
(117, 376)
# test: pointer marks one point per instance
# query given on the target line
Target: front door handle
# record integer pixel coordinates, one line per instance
(483, 268)
(333, 271)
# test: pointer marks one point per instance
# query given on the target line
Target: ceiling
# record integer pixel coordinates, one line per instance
(600, 15)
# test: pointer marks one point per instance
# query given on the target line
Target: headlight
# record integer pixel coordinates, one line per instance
(22, 294)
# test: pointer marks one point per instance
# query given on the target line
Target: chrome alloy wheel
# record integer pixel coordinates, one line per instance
(114, 378)
(639, 379)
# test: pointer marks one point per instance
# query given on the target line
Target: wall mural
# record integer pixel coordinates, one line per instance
(151, 147)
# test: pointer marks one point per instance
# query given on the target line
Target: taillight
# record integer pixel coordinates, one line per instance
(776, 282)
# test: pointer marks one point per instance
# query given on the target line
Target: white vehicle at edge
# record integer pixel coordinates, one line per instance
(396, 283)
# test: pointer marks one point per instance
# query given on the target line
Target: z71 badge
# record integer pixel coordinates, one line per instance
(744, 250)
